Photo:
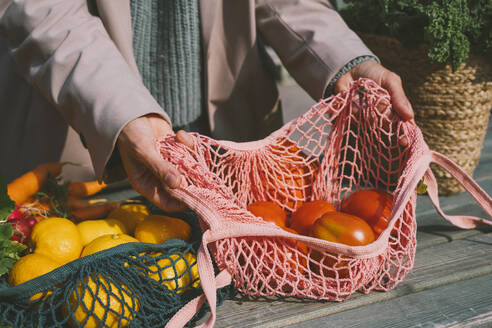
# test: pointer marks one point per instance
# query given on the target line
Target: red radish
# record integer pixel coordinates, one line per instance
(31, 222)
(21, 229)
(15, 238)
(22, 223)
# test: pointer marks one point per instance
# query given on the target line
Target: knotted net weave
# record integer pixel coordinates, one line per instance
(134, 284)
(342, 144)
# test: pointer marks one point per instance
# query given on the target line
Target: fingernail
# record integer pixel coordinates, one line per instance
(403, 141)
(171, 180)
(185, 138)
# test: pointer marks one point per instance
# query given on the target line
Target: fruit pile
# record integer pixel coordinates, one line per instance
(363, 216)
(47, 233)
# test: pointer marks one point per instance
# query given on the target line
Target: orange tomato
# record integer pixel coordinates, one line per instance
(303, 219)
(342, 228)
(284, 255)
(372, 205)
(268, 211)
(292, 180)
(291, 256)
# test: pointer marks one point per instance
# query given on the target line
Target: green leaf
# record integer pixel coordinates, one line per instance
(422, 187)
(6, 264)
(6, 231)
(10, 251)
(7, 205)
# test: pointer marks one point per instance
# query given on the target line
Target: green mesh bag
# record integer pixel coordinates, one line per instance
(130, 285)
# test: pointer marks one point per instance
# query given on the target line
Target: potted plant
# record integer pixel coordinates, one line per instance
(442, 49)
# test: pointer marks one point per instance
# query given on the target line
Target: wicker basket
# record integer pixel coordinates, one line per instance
(451, 108)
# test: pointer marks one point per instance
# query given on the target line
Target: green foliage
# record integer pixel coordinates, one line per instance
(452, 28)
(10, 251)
(7, 205)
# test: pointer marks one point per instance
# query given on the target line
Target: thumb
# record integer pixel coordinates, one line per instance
(185, 138)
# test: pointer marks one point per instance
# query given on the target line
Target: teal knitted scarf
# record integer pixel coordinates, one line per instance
(166, 43)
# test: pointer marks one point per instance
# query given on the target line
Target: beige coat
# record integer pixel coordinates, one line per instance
(55, 55)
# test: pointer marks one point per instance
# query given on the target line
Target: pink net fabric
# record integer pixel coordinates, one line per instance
(342, 144)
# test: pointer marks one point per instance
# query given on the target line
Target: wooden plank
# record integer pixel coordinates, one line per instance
(435, 266)
(468, 301)
(433, 224)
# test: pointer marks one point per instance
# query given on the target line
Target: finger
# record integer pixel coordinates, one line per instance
(185, 138)
(343, 83)
(392, 82)
(167, 173)
(168, 203)
(403, 141)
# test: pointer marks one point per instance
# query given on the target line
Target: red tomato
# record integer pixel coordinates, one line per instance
(343, 228)
(374, 206)
(308, 213)
(340, 228)
(268, 211)
(279, 257)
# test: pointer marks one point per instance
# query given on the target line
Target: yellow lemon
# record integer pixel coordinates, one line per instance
(57, 238)
(29, 267)
(101, 304)
(107, 241)
(157, 229)
(91, 229)
(130, 214)
(173, 272)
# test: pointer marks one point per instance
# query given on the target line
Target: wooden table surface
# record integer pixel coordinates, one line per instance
(449, 286)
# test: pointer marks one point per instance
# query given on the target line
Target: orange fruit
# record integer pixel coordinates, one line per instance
(130, 214)
(172, 272)
(157, 229)
(107, 241)
(101, 304)
(303, 219)
(57, 238)
(92, 229)
(29, 267)
(268, 211)
(372, 205)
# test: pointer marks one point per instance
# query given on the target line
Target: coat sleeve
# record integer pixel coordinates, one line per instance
(66, 54)
(311, 39)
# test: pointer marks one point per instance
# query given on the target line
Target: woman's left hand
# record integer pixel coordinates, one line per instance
(385, 78)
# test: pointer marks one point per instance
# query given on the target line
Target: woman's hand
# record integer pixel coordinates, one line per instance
(385, 78)
(148, 173)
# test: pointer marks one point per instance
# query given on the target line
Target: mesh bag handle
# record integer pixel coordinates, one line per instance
(480, 196)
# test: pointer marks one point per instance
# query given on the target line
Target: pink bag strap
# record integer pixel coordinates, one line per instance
(209, 284)
(481, 197)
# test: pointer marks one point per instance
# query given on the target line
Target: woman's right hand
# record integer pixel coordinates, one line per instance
(149, 175)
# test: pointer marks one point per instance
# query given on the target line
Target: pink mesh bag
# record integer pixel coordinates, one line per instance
(342, 144)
